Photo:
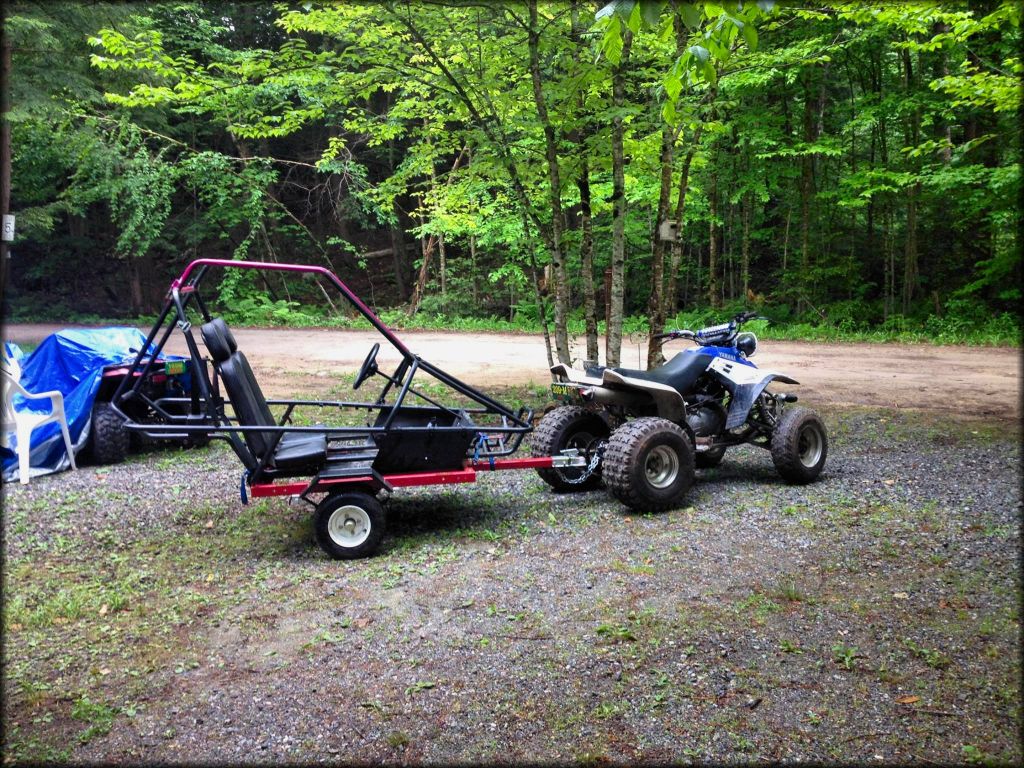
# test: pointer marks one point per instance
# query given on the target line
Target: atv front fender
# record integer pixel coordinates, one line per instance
(745, 383)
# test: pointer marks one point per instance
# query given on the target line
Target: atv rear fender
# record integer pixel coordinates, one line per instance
(614, 388)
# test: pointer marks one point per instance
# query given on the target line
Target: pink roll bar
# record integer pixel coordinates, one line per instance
(368, 313)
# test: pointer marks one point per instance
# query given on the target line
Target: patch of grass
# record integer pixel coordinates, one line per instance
(845, 655)
(100, 718)
(788, 646)
(616, 633)
(930, 656)
(420, 685)
(788, 591)
(760, 605)
(398, 739)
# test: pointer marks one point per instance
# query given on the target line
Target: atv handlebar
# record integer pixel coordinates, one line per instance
(713, 334)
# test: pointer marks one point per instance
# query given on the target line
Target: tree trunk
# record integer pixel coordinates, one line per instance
(910, 267)
(745, 266)
(806, 189)
(656, 302)
(561, 291)
(587, 260)
(613, 343)
(398, 255)
(472, 275)
(579, 137)
(713, 289)
(428, 249)
(135, 286)
(442, 263)
(542, 305)
(671, 306)
(427, 246)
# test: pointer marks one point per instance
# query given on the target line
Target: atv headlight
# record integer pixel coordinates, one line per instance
(746, 343)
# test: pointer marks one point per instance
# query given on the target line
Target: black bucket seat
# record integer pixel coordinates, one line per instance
(294, 452)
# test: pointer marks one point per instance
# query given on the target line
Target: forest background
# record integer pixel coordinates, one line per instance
(849, 170)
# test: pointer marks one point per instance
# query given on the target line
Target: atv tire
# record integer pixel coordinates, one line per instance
(709, 459)
(569, 426)
(109, 442)
(648, 464)
(799, 445)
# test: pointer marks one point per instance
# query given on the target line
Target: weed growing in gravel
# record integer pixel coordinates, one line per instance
(931, 656)
(845, 656)
(788, 646)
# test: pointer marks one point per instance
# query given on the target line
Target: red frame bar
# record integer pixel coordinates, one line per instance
(406, 480)
(536, 462)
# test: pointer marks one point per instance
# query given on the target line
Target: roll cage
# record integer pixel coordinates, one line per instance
(403, 436)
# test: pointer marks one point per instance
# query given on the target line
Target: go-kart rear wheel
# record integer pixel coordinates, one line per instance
(648, 464)
(799, 445)
(349, 525)
(109, 442)
(570, 426)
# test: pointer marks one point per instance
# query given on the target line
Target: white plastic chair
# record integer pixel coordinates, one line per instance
(25, 422)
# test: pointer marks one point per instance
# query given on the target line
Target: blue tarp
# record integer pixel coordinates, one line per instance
(71, 362)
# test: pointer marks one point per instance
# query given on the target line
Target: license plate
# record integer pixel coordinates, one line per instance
(566, 393)
(174, 367)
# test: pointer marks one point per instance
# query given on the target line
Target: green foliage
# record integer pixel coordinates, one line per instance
(863, 157)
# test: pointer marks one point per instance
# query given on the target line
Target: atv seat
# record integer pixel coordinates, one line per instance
(295, 452)
(680, 373)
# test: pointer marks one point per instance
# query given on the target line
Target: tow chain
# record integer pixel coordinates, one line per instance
(589, 471)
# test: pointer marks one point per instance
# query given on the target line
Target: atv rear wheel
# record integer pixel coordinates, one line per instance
(349, 525)
(648, 464)
(570, 426)
(709, 459)
(109, 441)
(799, 445)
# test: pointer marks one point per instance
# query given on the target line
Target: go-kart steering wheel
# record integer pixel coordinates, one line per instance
(368, 368)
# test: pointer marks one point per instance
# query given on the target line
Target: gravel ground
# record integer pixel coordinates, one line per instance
(871, 616)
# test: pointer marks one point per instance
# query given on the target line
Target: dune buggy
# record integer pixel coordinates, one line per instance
(407, 437)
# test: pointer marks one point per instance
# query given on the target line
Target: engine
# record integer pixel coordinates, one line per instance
(706, 419)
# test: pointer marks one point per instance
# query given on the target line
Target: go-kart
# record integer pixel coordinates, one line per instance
(345, 472)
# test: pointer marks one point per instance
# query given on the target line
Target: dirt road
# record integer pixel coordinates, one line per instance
(967, 381)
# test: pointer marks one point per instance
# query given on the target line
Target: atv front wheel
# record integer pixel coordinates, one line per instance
(648, 464)
(110, 440)
(799, 445)
(349, 525)
(570, 426)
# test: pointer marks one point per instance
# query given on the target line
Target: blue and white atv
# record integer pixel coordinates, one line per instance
(644, 432)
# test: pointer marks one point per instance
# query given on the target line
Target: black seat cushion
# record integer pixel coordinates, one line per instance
(301, 449)
(680, 373)
(294, 450)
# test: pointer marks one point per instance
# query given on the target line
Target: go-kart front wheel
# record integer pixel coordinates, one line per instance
(570, 426)
(799, 445)
(349, 525)
(648, 464)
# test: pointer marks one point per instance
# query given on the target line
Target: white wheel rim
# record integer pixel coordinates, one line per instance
(810, 446)
(661, 466)
(348, 526)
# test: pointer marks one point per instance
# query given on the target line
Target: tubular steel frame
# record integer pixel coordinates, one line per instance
(207, 417)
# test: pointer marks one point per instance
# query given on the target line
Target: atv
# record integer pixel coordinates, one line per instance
(643, 433)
